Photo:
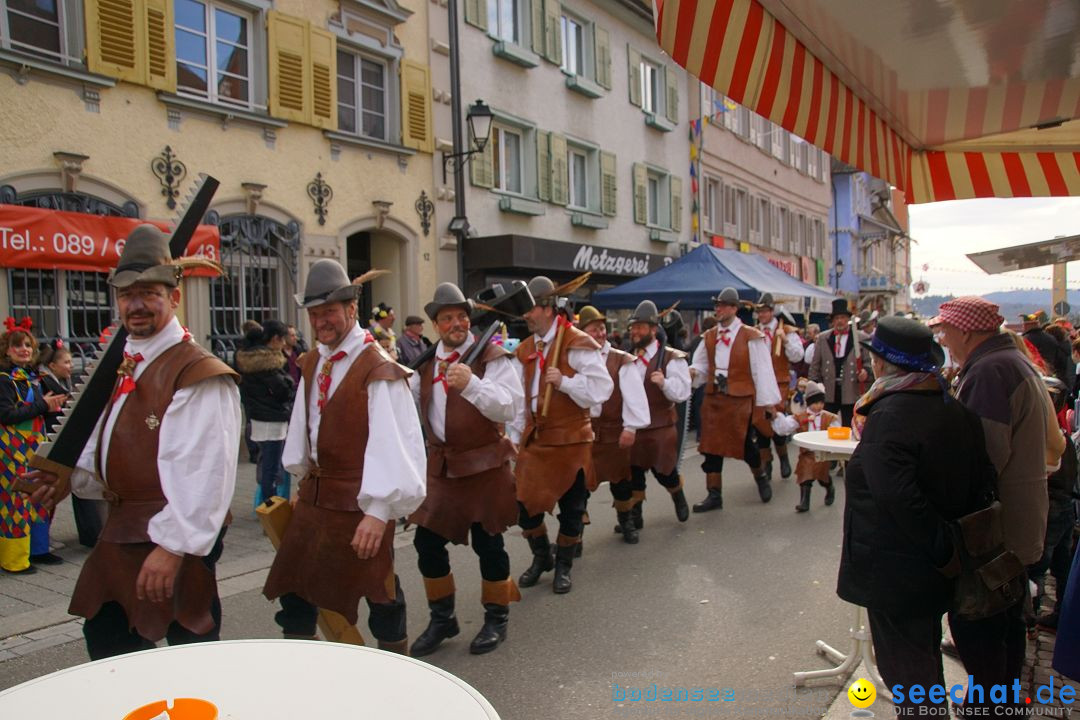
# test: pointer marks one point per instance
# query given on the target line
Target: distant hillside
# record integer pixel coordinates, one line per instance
(1012, 302)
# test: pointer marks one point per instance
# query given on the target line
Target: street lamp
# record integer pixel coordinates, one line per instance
(839, 271)
(479, 118)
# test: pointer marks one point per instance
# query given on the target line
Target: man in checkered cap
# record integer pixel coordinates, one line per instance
(1004, 390)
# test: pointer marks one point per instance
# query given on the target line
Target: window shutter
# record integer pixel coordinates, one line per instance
(112, 39)
(641, 194)
(672, 96)
(482, 164)
(608, 183)
(416, 106)
(676, 203)
(290, 98)
(543, 165)
(476, 13)
(553, 30)
(634, 62)
(560, 179)
(323, 79)
(539, 36)
(160, 45)
(602, 44)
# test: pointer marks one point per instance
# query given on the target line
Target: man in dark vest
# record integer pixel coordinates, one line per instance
(733, 364)
(470, 487)
(616, 421)
(164, 457)
(667, 381)
(554, 431)
(840, 363)
(355, 439)
(785, 348)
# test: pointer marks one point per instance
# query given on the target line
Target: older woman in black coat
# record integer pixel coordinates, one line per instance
(920, 463)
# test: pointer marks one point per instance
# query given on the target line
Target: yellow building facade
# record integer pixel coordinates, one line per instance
(314, 115)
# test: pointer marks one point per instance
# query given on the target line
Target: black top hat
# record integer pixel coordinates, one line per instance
(840, 307)
(906, 343)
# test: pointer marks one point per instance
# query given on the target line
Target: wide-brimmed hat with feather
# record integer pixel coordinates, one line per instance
(146, 259)
(327, 282)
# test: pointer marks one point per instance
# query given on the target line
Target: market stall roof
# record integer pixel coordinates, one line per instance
(695, 278)
(948, 99)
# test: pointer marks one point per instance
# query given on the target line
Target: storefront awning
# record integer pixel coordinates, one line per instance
(944, 100)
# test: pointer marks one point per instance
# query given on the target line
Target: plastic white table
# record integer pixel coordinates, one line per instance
(263, 679)
(861, 646)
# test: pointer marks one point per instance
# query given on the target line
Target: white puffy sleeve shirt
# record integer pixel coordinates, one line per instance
(395, 472)
(199, 438)
(635, 405)
(767, 392)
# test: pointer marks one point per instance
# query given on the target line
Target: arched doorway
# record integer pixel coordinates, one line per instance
(391, 247)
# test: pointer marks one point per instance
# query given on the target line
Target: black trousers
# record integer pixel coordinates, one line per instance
(846, 412)
(385, 620)
(623, 491)
(434, 560)
(715, 463)
(992, 649)
(571, 509)
(908, 651)
(780, 441)
(638, 476)
(109, 633)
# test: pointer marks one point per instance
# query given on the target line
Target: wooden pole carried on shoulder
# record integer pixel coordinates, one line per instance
(554, 361)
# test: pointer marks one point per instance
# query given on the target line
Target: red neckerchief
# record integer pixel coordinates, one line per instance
(126, 372)
(444, 363)
(722, 332)
(324, 376)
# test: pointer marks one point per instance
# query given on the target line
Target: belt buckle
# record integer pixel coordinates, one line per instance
(110, 497)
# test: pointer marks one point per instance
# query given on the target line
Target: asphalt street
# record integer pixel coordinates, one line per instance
(733, 600)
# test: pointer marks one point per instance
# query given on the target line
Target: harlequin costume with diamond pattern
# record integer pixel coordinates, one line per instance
(22, 429)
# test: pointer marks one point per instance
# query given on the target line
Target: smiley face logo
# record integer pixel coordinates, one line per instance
(861, 693)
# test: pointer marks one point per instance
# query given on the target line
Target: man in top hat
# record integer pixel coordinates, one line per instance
(355, 439)
(734, 365)
(470, 487)
(554, 463)
(164, 456)
(839, 363)
(616, 422)
(667, 382)
(785, 348)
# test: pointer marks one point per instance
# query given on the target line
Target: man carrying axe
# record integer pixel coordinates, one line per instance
(785, 348)
(563, 376)
(466, 394)
(355, 439)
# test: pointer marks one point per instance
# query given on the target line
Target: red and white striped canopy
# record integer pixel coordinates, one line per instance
(945, 99)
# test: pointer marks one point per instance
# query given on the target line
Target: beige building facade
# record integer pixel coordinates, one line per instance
(314, 115)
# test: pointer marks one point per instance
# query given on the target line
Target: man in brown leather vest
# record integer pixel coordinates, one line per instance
(666, 378)
(554, 458)
(785, 348)
(470, 487)
(733, 364)
(615, 422)
(164, 457)
(338, 547)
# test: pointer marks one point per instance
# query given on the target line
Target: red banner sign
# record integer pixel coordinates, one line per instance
(56, 240)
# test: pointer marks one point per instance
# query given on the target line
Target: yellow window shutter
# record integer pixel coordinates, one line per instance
(539, 37)
(560, 178)
(288, 51)
(416, 106)
(633, 58)
(553, 26)
(672, 95)
(160, 45)
(482, 164)
(543, 166)
(476, 13)
(323, 79)
(608, 183)
(603, 57)
(676, 204)
(641, 194)
(112, 38)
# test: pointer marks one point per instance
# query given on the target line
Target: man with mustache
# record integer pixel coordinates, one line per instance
(355, 439)
(470, 487)
(555, 460)
(164, 457)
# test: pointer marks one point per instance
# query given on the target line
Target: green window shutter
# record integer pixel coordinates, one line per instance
(641, 194)
(634, 63)
(539, 37)
(602, 43)
(672, 96)
(482, 165)
(476, 13)
(560, 180)
(543, 166)
(608, 183)
(676, 203)
(553, 25)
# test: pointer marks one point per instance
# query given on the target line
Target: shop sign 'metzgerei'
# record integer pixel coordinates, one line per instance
(610, 263)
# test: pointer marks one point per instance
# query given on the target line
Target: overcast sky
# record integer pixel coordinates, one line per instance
(947, 231)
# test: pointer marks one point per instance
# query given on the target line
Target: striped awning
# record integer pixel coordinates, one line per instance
(946, 100)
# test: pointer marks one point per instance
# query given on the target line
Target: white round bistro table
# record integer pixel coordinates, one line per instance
(861, 647)
(253, 679)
